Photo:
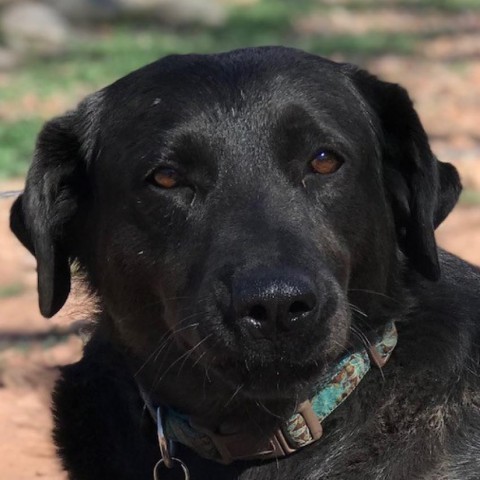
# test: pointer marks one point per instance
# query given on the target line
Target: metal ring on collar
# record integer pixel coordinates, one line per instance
(175, 461)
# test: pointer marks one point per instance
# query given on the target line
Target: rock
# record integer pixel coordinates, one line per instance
(33, 28)
(139, 6)
(210, 13)
(176, 12)
(8, 59)
(87, 10)
(173, 12)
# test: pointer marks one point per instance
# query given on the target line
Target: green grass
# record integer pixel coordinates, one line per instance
(446, 5)
(470, 197)
(16, 145)
(25, 342)
(452, 6)
(11, 290)
(361, 45)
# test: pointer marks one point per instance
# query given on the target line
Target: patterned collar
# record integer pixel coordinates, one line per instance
(301, 429)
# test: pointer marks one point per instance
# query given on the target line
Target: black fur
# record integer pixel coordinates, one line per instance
(190, 281)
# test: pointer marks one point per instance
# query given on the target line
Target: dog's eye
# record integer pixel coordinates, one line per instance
(165, 177)
(326, 162)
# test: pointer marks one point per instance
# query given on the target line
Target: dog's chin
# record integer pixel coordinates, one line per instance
(268, 380)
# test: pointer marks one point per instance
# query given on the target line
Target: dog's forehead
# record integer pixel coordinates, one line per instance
(214, 95)
(184, 85)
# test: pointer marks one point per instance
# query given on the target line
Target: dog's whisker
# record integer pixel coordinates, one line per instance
(172, 333)
(184, 361)
(160, 375)
(343, 349)
(373, 292)
(205, 379)
(169, 341)
(158, 350)
(260, 404)
(470, 364)
(198, 359)
(166, 337)
(472, 371)
(357, 310)
(361, 336)
(187, 353)
(361, 320)
(366, 342)
(180, 297)
(207, 370)
(278, 467)
(235, 393)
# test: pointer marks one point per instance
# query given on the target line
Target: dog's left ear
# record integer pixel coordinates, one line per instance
(422, 191)
(43, 216)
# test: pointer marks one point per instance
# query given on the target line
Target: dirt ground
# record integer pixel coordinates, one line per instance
(448, 99)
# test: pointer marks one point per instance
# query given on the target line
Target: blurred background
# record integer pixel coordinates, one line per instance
(53, 52)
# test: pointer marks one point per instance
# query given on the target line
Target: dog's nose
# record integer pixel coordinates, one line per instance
(266, 303)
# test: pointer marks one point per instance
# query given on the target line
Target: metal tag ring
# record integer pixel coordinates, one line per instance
(161, 463)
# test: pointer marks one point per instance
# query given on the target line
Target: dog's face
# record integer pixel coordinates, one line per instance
(237, 204)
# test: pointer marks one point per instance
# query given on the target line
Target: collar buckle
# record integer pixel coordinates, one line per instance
(302, 429)
(377, 358)
(380, 352)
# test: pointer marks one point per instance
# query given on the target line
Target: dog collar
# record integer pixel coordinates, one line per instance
(301, 429)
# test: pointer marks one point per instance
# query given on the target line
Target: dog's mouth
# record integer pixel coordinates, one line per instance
(264, 370)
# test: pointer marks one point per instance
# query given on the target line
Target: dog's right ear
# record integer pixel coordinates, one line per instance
(43, 215)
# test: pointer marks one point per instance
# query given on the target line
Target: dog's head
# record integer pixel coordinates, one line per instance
(249, 206)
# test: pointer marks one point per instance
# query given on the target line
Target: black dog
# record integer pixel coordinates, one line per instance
(253, 225)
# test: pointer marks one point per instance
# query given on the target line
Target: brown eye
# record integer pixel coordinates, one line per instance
(326, 162)
(166, 177)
